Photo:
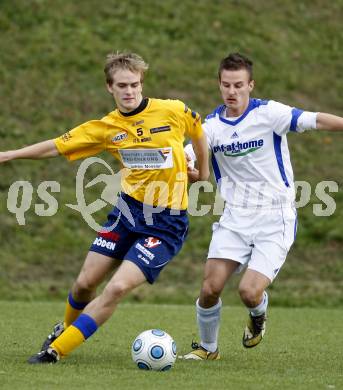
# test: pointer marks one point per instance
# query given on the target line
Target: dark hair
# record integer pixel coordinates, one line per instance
(235, 61)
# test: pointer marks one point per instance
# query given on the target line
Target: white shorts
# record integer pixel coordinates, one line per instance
(258, 239)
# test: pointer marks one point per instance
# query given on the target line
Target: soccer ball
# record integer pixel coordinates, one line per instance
(154, 350)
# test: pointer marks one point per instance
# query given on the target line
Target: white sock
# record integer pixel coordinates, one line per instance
(208, 322)
(261, 308)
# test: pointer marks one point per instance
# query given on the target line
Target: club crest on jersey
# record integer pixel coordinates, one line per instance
(152, 242)
(164, 153)
(119, 137)
(236, 149)
(66, 137)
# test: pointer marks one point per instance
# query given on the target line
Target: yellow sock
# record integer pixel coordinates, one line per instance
(74, 335)
(70, 339)
(70, 315)
(73, 310)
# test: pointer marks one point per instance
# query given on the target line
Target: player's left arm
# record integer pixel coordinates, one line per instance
(329, 122)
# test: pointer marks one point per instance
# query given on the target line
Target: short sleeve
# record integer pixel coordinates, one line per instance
(207, 130)
(283, 118)
(83, 141)
(190, 120)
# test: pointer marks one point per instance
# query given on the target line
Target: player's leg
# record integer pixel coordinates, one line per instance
(127, 277)
(216, 274)
(110, 244)
(94, 270)
(252, 290)
(228, 252)
(145, 260)
(208, 307)
(275, 233)
(146, 250)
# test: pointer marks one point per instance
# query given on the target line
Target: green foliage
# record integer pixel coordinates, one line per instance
(52, 55)
(299, 351)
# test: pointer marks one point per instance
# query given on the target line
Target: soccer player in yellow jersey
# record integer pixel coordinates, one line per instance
(146, 135)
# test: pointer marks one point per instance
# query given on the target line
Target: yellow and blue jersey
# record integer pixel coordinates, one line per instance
(148, 143)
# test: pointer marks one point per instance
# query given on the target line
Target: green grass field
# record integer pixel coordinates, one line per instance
(302, 350)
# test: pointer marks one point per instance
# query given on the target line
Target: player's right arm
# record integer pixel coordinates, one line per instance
(45, 149)
(83, 141)
(199, 149)
(201, 152)
(191, 156)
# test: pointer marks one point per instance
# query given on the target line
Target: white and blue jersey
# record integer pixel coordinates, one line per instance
(252, 166)
(250, 155)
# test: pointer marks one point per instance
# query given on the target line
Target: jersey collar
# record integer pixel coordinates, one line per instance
(252, 104)
(137, 110)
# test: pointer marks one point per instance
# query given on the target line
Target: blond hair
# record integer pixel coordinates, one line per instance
(130, 61)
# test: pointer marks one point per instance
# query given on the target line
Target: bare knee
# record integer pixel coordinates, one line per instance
(209, 294)
(83, 286)
(114, 292)
(250, 295)
(102, 307)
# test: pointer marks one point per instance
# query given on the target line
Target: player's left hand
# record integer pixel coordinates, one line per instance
(193, 174)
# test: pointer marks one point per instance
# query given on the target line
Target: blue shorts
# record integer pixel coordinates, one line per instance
(136, 232)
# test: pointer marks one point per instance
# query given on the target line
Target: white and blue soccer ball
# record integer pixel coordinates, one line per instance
(154, 349)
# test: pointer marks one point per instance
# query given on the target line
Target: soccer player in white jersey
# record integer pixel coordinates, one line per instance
(252, 167)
